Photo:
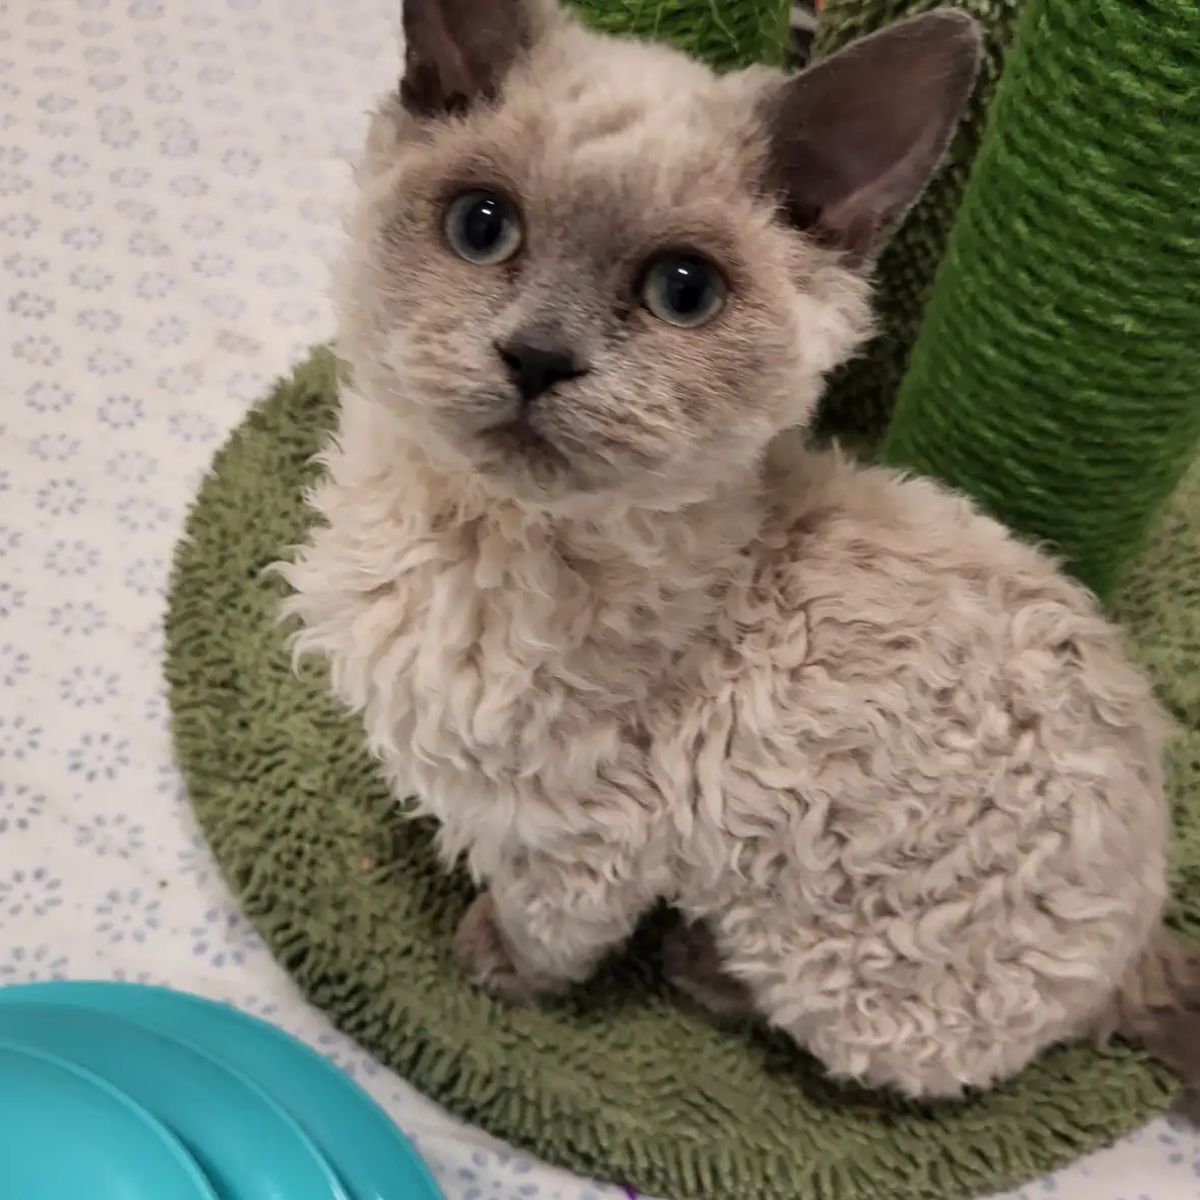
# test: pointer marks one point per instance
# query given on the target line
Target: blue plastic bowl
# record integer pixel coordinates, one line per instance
(122, 1092)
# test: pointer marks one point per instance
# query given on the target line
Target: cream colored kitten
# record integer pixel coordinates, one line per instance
(629, 640)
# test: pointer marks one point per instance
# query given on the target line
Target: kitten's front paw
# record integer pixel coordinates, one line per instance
(484, 955)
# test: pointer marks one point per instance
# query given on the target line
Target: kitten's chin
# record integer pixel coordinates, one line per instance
(516, 466)
(512, 460)
(516, 461)
(518, 446)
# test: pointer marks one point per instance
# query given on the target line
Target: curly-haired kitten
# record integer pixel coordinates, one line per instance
(629, 640)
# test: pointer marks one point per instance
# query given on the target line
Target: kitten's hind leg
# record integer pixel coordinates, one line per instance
(692, 963)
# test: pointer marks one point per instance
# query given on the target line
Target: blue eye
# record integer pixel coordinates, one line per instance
(684, 290)
(483, 227)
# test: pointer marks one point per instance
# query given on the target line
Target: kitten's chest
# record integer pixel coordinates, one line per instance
(498, 658)
(484, 643)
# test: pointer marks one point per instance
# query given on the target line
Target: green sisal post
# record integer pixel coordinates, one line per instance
(1056, 377)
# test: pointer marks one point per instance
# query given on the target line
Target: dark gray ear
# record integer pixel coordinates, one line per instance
(457, 52)
(854, 139)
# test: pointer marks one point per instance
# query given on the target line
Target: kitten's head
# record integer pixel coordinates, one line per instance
(589, 267)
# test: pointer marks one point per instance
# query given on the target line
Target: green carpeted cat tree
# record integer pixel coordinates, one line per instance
(1055, 377)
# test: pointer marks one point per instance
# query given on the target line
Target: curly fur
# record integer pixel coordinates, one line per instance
(892, 760)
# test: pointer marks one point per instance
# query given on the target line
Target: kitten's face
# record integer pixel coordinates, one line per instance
(583, 288)
(595, 242)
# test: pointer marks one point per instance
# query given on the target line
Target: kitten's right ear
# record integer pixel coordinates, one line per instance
(457, 52)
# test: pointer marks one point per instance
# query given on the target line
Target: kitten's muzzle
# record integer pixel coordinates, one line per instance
(537, 358)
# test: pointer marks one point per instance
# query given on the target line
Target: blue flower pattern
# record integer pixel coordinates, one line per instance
(172, 175)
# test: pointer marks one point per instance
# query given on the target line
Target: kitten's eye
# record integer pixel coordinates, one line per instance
(483, 227)
(682, 289)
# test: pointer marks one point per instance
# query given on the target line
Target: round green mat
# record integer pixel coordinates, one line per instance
(623, 1081)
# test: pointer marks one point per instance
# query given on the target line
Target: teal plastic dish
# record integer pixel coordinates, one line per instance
(65, 1134)
(252, 1151)
(370, 1159)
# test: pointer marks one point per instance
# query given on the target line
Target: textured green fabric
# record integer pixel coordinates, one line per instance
(622, 1080)
(1057, 374)
(724, 33)
(861, 396)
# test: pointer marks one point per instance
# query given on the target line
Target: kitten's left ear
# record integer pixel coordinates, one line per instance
(854, 139)
(457, 52)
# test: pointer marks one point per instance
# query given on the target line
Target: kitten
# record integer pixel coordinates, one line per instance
(629, 640)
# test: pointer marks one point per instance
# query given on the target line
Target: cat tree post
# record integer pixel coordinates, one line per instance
(1057, 373)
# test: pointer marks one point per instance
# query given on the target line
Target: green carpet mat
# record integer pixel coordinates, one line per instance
(623, 1081)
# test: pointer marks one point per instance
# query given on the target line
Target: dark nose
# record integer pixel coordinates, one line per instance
(538, 359)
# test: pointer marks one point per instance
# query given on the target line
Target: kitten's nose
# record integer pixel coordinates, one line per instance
(537, 359)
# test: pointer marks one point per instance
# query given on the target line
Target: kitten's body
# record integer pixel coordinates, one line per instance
(891, 755)
(892, 759)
